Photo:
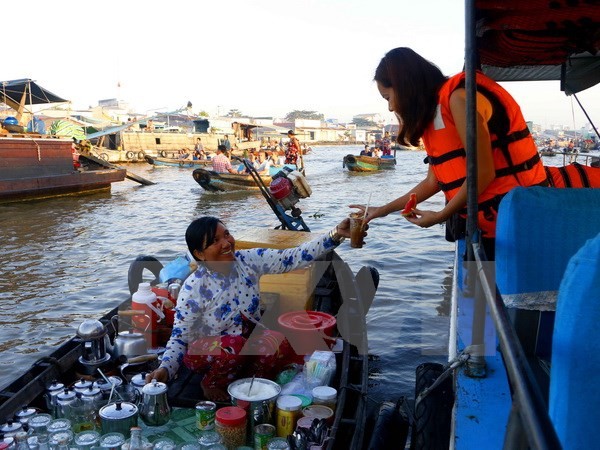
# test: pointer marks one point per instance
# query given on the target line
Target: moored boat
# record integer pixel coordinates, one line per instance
(176, 162)
(337, 292)
(221, 182)
(362, 163)
(36, 165)
(516, 356)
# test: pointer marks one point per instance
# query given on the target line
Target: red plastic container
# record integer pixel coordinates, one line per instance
(307, 331)
(281, 187)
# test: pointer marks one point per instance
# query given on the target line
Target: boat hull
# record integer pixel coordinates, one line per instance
(368, 163)
(173, 162)
(223, 182)
(38, 166)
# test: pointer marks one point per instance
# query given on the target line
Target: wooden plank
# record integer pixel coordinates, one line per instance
(268, 238)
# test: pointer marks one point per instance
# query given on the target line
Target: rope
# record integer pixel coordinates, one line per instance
(453, 364)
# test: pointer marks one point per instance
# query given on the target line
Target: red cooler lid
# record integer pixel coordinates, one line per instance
(307, 320)
(231, 415)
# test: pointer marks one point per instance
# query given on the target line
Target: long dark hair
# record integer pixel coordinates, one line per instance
(415, 82)
(201, 233)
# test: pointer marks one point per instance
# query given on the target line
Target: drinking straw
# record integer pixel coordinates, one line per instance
(367, 207)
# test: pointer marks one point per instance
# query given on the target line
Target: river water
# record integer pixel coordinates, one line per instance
(66, 259)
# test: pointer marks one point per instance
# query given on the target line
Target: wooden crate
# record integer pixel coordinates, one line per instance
(295, 288)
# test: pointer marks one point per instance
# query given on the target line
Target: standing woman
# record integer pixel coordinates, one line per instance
(432, 107)
(293, 149)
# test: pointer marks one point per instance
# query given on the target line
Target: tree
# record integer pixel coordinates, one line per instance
(363, 122)
(296, 114)
(234, 113)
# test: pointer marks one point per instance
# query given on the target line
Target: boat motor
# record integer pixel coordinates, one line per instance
(288, 188)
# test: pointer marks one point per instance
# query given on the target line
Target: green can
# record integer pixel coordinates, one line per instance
(205, 415)
(263, 433)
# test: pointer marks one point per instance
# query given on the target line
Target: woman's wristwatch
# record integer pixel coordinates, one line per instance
(335, 236)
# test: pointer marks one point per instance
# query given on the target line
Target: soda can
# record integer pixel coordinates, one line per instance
(263, 433)
(205, 415)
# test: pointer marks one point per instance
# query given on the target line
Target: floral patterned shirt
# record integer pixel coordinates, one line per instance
(212, 304)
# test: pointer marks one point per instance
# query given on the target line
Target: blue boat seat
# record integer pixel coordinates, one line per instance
(538, 230)
(574, 403)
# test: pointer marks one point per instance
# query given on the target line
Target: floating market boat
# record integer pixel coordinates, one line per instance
(95, 350)
(523, 334)
(223, 182)
(37, 165)
(362, 163)
(176, 162)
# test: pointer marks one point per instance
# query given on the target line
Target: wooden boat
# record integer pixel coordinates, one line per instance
(519, 360)
(221, 182)
(361, 163)
(39, 165)
(547, 152)
(337, 286)
(175, 162)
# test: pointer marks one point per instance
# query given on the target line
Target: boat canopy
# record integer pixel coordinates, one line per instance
(15, 90)
(538, 40)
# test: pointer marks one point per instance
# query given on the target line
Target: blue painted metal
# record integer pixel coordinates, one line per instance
(482, 405)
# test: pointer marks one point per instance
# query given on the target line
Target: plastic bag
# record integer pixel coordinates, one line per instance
(178, 269)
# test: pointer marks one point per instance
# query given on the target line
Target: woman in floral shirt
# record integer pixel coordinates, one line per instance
(221, 297)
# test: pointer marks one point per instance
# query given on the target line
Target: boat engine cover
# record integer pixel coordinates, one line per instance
(280, 188)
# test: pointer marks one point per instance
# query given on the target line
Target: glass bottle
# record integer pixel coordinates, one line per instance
(135, 441)
(21, 441)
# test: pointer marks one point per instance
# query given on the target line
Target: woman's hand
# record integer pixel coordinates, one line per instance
(343, 228)
(160, 374)
(424, 219)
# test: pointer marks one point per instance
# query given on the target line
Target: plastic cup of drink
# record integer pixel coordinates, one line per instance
(38, 423)
(356, 229)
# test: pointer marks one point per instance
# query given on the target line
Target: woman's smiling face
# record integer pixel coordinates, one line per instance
(222, 248)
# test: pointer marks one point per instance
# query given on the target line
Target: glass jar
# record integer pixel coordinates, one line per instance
(230, 423)
(209, 438)
(87, 439)
(325, 395)
(112, 441)
(38, 423)
(278, 443)
(164, 443)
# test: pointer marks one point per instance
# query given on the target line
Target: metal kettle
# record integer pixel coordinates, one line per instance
(154, 408)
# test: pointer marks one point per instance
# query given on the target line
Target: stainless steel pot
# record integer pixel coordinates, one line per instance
(119, 417)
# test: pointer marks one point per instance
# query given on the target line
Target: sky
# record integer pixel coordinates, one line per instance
(264, 58)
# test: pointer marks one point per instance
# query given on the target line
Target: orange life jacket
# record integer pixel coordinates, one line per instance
(515, 155)
(573, 176)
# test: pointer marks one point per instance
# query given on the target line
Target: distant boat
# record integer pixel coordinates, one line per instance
(547, 152)
(176, 162)
(222, 182)
(358, 163)
(38, 165)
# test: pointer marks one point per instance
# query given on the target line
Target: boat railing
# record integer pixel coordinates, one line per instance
(529, 421)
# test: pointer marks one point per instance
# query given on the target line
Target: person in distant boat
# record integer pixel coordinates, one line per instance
(219, 306)
(252, 159)
(386, 144)
(293, 148)
(226, 143)
(366, 151)
(220, 162)
(264, 162)
(199, 148)
(376, 152)
(506, 152)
